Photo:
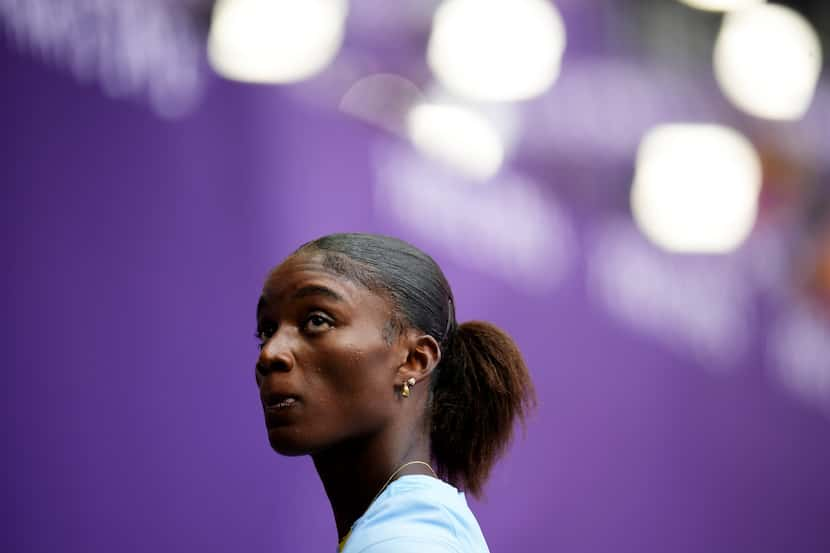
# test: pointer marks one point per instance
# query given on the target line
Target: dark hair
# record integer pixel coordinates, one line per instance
(480, 387)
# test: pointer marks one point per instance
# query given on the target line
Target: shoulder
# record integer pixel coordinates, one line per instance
(410, 545)
(417, 513)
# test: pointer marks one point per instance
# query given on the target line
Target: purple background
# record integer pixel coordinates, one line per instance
(134, 250)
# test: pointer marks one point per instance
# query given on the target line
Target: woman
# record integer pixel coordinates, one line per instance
(363, 366)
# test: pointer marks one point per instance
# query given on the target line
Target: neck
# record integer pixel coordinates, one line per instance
(355, 472)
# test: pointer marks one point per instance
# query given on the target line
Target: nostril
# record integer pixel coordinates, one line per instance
(260, 371)
(272, 364)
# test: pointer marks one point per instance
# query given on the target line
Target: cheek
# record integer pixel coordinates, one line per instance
(369, 368)
(355, 378)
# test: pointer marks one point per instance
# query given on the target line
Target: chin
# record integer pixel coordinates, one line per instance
(288, 445)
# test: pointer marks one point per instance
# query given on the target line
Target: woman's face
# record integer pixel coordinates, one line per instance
(325, 372)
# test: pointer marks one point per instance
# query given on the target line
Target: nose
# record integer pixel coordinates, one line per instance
(275, 356)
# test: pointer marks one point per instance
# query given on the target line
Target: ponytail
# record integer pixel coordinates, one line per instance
(479, 389)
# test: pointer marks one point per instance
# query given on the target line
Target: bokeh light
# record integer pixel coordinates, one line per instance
(767, 61)
(275, 41)
(721, 5)
(456, 136)
(500, 50)
(696, 188)
(383, 100)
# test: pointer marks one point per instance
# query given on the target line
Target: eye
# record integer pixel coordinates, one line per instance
(262, 335)
(317, 322)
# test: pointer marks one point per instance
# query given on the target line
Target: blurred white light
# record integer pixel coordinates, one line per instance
(275, 41)
(696, 188)
(767, 61)
(496, 50)
(721, 5)
(458, 137)
(382, 99)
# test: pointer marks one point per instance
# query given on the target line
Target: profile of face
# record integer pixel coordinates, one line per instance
(326, 371)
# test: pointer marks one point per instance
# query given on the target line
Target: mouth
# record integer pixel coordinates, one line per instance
(281, 404)
(278, 402)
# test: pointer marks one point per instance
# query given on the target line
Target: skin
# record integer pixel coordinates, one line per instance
(322, 343)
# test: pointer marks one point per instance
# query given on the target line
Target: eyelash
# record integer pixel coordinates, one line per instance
(263, 335)
(316, 315)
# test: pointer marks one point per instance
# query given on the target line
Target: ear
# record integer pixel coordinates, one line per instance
(423, 356)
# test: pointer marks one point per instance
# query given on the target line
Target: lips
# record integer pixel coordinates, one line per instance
(280, 410)
(281, 404)
(278, 401)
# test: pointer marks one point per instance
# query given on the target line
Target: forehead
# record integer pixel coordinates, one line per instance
(304, 275)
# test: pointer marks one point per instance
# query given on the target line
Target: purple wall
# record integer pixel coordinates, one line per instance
(134, 250)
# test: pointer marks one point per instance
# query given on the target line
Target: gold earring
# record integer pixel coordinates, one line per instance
(406, 385)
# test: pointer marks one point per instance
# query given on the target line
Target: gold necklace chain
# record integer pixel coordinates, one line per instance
(398, 470)
(342, 542)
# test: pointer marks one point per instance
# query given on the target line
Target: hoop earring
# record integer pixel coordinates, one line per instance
(406, 385)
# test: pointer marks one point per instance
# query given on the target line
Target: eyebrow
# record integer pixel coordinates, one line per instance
(317, 290)
(304, 292)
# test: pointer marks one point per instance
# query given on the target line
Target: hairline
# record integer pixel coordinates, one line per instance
(398, 321)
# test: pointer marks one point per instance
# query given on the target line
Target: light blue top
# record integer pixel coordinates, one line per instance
(417, 514)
